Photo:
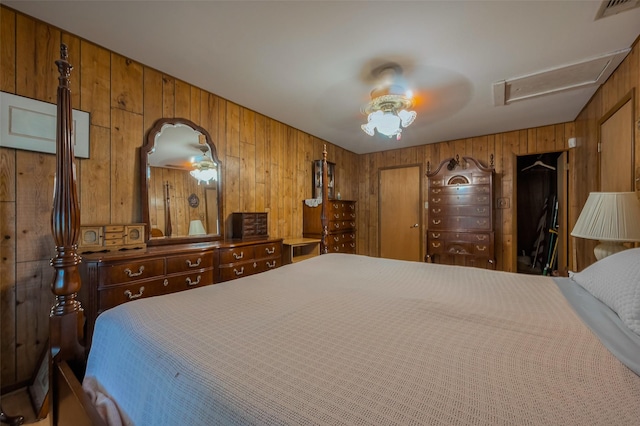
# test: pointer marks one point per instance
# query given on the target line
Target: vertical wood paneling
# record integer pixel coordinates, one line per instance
(34, 300)
(126, 137)
(95, 83)
(152, 92)
(126, 84)
(7, 265)
(34, 192)
(168, 97)
(183, 100)
(37, 48)
(7, 50)
(95, 178)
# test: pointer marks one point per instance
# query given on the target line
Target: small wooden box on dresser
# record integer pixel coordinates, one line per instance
(341, 215)
(460, 226)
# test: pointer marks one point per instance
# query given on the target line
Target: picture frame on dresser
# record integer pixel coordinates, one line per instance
(317, 179)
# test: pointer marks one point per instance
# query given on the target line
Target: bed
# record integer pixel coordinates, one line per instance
(349, 339)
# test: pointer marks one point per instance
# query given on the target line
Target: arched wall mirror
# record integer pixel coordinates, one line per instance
(181, 188)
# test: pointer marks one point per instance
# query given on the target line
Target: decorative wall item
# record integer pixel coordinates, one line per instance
(317, 179)
(31, 125)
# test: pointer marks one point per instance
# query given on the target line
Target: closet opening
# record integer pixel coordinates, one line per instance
(542, 195)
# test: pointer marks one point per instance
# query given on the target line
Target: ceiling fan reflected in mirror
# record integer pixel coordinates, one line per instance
(204, 169)
(388, 112)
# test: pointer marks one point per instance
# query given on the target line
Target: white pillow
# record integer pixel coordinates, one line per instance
(615, 281)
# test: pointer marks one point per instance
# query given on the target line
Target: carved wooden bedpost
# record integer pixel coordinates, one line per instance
(325, 200)
(64, 335)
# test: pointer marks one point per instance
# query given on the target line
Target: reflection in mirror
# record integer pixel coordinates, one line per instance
(181, 183)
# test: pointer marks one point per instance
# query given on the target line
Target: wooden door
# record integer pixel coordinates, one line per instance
(400, 224)
(616, 148)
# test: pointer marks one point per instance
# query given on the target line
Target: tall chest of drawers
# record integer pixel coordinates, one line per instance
(460, 225)
(341, 217)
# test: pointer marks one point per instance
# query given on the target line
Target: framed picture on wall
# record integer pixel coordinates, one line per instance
(317, 179)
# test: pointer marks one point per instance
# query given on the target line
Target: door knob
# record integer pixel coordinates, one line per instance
(414, 226)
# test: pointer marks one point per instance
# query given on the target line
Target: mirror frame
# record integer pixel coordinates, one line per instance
(145, 150)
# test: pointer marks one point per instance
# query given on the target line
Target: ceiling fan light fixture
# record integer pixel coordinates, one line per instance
(388, 111)
(204, 171)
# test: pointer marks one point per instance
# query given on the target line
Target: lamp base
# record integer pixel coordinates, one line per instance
(607, 248)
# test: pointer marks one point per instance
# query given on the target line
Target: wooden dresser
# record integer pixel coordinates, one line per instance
(110, 279)
(460, 226)
(341, 215)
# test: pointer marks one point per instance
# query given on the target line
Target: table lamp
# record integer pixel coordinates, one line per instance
(610, 217)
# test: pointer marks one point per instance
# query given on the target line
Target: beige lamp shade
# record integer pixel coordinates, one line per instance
(196, 228)
(611, 217)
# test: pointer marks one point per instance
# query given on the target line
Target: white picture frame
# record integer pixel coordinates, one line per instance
(30, 125)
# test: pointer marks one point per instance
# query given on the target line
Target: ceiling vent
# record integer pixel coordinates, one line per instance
(582, 74)
(611, 7)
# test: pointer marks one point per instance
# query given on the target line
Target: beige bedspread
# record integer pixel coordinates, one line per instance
(353, 340)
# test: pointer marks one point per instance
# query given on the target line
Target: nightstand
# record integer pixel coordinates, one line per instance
(298, 249)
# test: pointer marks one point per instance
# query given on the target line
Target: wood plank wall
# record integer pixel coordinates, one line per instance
(266, 165)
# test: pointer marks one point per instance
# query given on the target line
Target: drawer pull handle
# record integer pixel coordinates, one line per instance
(353, 215)
(238, 256)
(436, 222)
(272, 264)
(196, 282)
(481, 210)
(482, 199)
(270, 250)
(336, 225)
(165, 282)
(436, 200)
(436, 245)
(481, 248)
(335, 206)
(481, 222)
(240, 272)
(336, 239)
(194, 265)
(336, 248)
(132, 274)
(353, 245)
(132, 296)
(436, 211)
(481, 237)
(337, 216)
(434, 235)
(436, 191)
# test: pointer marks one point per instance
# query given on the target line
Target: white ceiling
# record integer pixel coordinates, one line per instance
(308, 63)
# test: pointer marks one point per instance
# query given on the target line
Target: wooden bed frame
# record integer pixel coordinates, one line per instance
(68, 403)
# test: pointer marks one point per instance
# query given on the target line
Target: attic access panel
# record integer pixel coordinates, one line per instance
(591, 72)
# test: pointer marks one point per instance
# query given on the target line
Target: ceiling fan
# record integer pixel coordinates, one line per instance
(388, 112)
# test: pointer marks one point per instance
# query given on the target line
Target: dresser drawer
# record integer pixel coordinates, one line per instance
(117, 295)
(460, 222)
(341, 225)
(460, 190)
(459, 211)
(244, 269)
(341, 238)
(268, 250)
(189, 280)
(470, 199)
(133, 271)
(189, 262)
(236, 254)
(471, 237)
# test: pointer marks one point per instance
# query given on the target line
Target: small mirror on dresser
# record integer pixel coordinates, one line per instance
(181, 188)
